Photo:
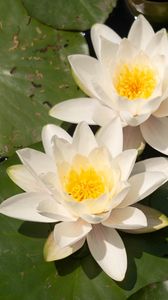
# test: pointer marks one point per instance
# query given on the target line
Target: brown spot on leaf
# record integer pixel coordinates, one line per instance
(13, 70)
(37, 114)
(30, 76)
(54, 48)
(36, 85)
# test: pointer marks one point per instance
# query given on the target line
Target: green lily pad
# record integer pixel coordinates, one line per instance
(34, 74)
(70, 14)
(25, 275)
(155, 291)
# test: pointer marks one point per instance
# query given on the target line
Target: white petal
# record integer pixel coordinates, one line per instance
(158, 44)
(76, 110)
(152, 105)
(154, 132)
(159, 63)
(126, 51)
(62, 150)
(100, 30)
(48, 132)
(108, 250)
(152, 165)
(24, 207)
(141, 32)
(68, 233)
(36, 160)
(131, 107)
(155, 220)
(103, 115)
(23, 178)
(133, 138)
(100, 159)
(108, 53)
(126, 218)
(83, 139)
(126, 161)
(90, 75)
(53, 252)
(111, 136)
(133, 120)
(142, 185)
(53, 209)
(38, 164)
(118, 199)
(95, 219)
(162, 111)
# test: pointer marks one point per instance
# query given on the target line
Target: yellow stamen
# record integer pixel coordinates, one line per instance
(85, 184)
(135, 81)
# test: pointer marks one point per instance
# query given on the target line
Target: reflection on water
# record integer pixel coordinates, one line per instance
(155, 11)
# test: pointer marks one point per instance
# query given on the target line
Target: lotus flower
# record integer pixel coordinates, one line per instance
(84, 183)
(129, 79)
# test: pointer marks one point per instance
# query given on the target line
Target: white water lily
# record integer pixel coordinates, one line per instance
(84, 183)
(129, 79)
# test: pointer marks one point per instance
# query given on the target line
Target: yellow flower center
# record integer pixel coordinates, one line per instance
(85, 184)
(135, 81)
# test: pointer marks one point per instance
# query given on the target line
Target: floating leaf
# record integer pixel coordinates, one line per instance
(34, 74)
(70, 14)
(155, 291)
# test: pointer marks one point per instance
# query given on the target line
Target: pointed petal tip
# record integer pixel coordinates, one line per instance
(156, 220)
(111, 136)
(141, 148)
(73, 56)
(76, 110)
(120, 277)
(164, 222)
(46, 129)
(51, 111)
(141, 18)
(96, 24)
(14, 172)
(69, 58)
(22, 150)
(51, 252)
(83, 125)
(96, 27)
(10, 170)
